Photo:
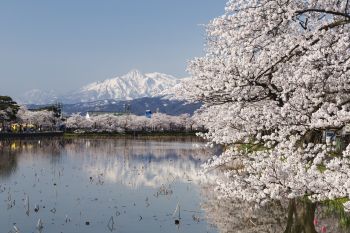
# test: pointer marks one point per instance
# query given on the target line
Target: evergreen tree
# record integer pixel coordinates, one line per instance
(8, 109)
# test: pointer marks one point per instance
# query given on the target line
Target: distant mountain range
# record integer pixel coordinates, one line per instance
(37, 96)
(132, 85)
(135, 106)
(139, 91)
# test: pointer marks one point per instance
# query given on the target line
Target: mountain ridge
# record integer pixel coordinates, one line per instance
(132, 85)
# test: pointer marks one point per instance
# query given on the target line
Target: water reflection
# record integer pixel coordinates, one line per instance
(102, 186)
(289, 216)
(122, 185)
(8, 163)
(142, 162)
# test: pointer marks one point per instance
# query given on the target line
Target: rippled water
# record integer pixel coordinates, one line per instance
(107, 185)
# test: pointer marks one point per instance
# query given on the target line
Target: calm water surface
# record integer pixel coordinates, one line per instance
(131, 186)
(107, 185)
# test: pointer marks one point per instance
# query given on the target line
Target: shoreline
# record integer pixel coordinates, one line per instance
(101, 135)
(133, 135)
(5, 136)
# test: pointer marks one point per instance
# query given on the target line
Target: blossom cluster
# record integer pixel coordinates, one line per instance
(122, 123)
(275, 77)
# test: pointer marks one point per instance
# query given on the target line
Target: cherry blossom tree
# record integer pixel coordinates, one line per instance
(76, 121)
(123, 123)
(43, 118)
(275, 77)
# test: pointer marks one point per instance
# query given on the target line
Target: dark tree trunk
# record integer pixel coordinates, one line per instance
(301, 216)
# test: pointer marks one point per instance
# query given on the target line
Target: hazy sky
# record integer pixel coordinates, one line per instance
(64, 44)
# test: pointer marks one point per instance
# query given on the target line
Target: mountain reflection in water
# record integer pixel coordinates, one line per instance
(102, 185)
(124, 185)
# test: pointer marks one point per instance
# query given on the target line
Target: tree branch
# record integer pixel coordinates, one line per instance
(346, 15)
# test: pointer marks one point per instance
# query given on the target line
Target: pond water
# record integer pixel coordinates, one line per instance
(106, 185)
(131, 186)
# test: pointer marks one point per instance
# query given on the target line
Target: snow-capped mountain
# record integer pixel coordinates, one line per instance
(38, 97)
(130, 86)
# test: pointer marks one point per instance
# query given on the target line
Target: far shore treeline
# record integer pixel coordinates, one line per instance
(18, 119)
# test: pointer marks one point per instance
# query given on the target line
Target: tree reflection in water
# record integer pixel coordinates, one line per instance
(154, 164)
(293, 216)
(8, 160)
(11, 151)
(111, 177)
